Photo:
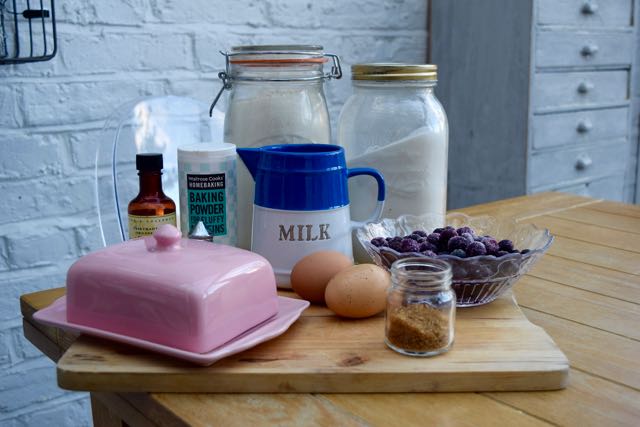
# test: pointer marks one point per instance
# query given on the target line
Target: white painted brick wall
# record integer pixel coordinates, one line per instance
(50, 118)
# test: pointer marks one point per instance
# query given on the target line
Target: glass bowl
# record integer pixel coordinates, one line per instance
(476, 280)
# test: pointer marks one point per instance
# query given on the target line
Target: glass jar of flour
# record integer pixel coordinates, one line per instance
(276, 97)
(394, 123)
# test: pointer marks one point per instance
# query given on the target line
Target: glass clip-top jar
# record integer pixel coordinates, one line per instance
(421, 307)
(276, 63)
(276, 96)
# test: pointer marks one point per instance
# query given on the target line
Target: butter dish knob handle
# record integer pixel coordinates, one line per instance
(167, 237)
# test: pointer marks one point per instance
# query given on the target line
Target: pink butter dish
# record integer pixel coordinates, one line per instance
(186, 294)
(289, 310)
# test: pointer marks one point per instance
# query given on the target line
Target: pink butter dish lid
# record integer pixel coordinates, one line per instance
(189, 294)
(167, 258)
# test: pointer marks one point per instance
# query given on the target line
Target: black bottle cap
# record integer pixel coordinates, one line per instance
(147, 162)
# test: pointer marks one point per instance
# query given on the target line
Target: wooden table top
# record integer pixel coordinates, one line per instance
(585, 293)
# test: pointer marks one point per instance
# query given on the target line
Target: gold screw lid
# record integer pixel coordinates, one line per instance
(387, 72)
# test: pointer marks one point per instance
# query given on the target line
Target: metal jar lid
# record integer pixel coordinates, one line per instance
(274, 55)
(394, 72)
(262, 48)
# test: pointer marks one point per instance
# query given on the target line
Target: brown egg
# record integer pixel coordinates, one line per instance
(311, 274)
(358, 291)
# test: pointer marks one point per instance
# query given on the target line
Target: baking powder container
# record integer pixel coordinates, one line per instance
(208, 190)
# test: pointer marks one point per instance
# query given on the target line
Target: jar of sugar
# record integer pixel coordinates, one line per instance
(276, 97)
(394, 123)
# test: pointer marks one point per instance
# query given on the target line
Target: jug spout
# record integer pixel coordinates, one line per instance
(250, 157)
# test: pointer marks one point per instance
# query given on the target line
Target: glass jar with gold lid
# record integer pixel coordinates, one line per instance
(393, 122)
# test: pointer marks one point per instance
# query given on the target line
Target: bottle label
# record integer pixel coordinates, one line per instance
(207, 202)
(140, 226)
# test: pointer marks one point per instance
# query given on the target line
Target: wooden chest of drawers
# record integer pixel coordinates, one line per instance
(540, 94)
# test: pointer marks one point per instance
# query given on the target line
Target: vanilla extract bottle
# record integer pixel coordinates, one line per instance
(151, 207)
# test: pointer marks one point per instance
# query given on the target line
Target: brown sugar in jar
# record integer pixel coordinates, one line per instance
(420, 312)
(418, 327)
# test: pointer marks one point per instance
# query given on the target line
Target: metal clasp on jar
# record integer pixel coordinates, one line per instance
(227, 80)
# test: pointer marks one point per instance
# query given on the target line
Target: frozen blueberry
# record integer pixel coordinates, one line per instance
(426, 246)
(396, 245)
(409, 245)
(505, 245)
(525, 251)
(460, 253)
(468, 236)
(379, 241)
(446, 234)
(477, 239)
(439, 230)
(491, 245)
(414, 236)
(475, 249)
(457, 242)
(502, 253)
(434, 238)
(421, 233)
(430, 254)
(465, 229)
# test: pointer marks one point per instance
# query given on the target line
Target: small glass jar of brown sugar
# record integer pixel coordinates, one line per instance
(421, 307)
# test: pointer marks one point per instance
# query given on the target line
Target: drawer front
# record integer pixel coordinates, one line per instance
(585, 13)
(579, 89)
(578, 127)
(555, 167)
(583, 48)
(609, 188)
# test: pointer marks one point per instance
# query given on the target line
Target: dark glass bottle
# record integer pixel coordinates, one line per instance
(151, 207)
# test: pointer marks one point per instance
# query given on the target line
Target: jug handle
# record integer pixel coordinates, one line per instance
(377, 213)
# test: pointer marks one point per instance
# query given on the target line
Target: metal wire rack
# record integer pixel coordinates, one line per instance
(27, 31)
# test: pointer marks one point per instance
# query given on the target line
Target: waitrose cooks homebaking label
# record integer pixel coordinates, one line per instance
(206, 202)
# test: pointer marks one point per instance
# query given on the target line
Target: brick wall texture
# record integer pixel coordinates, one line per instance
(111, 52)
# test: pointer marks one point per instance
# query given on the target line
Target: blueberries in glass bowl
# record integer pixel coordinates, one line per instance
(487, 255)
(459, 242)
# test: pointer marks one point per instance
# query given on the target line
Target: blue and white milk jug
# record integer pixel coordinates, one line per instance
(301, 202)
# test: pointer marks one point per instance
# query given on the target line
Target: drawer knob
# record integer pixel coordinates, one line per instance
(584, 126)
(583, 161)
(589, 8)
(585, 87)
(589, 50)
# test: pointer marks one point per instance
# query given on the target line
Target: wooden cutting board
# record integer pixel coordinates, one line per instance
(496, 348)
